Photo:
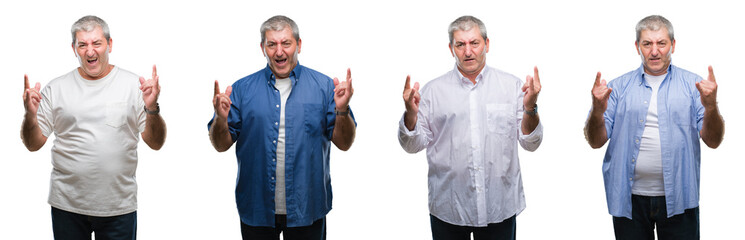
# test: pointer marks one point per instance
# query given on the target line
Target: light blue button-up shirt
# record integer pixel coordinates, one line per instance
(680, 116)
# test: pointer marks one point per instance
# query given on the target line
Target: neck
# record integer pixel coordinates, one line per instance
(471, 76)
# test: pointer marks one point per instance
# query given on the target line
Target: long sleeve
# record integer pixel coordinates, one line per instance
(416, 140)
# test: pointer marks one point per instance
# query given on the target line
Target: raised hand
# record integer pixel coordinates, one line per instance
(343, 92)
(150, 90)
(531, 88)
(411, 100)
(708, 90)
(31, 96)
(221, 101)
(600, 94)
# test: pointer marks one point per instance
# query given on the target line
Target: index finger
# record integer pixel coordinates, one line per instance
(155, 71)
(217, 88)
(535, 71)
(349, 77)
(408, 79)
(711, 74)
(597, 79)
(25, 82)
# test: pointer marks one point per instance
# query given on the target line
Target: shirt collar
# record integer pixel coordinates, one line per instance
(641, 73)
(465, 80)
(294, 74)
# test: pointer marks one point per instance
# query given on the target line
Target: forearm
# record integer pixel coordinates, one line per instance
(155, 131)
(595, 132)
(529, 123)
(31, 133)
(712, 132)
(344, 132)
(220, 135)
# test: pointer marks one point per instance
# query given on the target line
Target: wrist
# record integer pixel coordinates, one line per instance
(153, 110)
(344, 111)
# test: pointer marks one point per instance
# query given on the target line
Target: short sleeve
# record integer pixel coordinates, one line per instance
(44, 114)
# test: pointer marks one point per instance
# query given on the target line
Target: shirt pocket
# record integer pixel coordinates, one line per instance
(116, 114)
(500, 117)
(680, 111)
(313, 117)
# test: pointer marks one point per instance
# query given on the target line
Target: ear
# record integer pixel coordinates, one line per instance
(487, 45)
(673, 46)
(74, 51)
(111, 44)
(450, 45)
(261, 45)
(636, 46)
(299, 44)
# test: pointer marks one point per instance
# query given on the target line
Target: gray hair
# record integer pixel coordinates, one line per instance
(278, 23)
(89, 23)
(465, 23)
(654, 23)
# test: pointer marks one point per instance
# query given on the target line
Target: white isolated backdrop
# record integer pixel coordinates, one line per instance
(186, 190)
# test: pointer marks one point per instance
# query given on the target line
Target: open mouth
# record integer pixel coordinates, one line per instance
(92, 61)
(280, 61)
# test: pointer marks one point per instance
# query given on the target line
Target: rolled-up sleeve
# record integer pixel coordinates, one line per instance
(416, 140)
(532, 141)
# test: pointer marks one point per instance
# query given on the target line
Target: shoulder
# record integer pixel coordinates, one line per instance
(684, 75)
(443, 81)
(626, 78)
(63, 79)
(309, 73)
(490, 72)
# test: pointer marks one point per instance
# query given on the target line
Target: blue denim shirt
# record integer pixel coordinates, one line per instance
(309, 124)
(680, 117)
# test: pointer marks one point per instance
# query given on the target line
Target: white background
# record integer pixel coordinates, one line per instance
(380, 192)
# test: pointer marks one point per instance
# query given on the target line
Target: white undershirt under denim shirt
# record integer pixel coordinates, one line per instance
(471, 133)
(284, 86)
(680, 117)
(648, 169)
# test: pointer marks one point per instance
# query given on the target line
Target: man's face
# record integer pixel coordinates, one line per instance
(469, 50)
(92, 51)
(280, 50)
(655, 48)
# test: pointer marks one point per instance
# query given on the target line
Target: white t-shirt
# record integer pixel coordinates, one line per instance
(280, 204)
(97, 125)
(648, 170)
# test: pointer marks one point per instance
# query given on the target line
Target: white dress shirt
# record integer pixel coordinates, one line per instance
(471, 133)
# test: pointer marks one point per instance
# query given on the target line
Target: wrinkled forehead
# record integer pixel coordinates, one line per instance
(472, 34)
(96, 34)
(648, 35)
(279, 35)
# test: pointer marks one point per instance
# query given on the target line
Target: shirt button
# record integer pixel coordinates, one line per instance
(640, 120)
(276, 123)
(274, 159)
(630, 179)
(274, 141)
(277, 105)
(272, 178)
(637, 140)
(645, 102)
(633, 160)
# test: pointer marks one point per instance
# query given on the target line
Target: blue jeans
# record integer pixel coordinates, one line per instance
(316, 231)
(67, 225)
(648, 212)
(504, 230)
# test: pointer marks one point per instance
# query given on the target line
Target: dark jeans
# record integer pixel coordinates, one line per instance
(316, 231)
(494, 231)
(67, 225)
(646, 212)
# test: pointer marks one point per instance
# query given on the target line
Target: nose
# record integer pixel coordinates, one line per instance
(469, 50)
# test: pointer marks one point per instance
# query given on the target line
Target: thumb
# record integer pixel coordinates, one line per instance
(142, 81)
(336, 82)
(37, 87)
(416, 86)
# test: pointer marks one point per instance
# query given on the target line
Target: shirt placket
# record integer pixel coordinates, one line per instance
(477, 155)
